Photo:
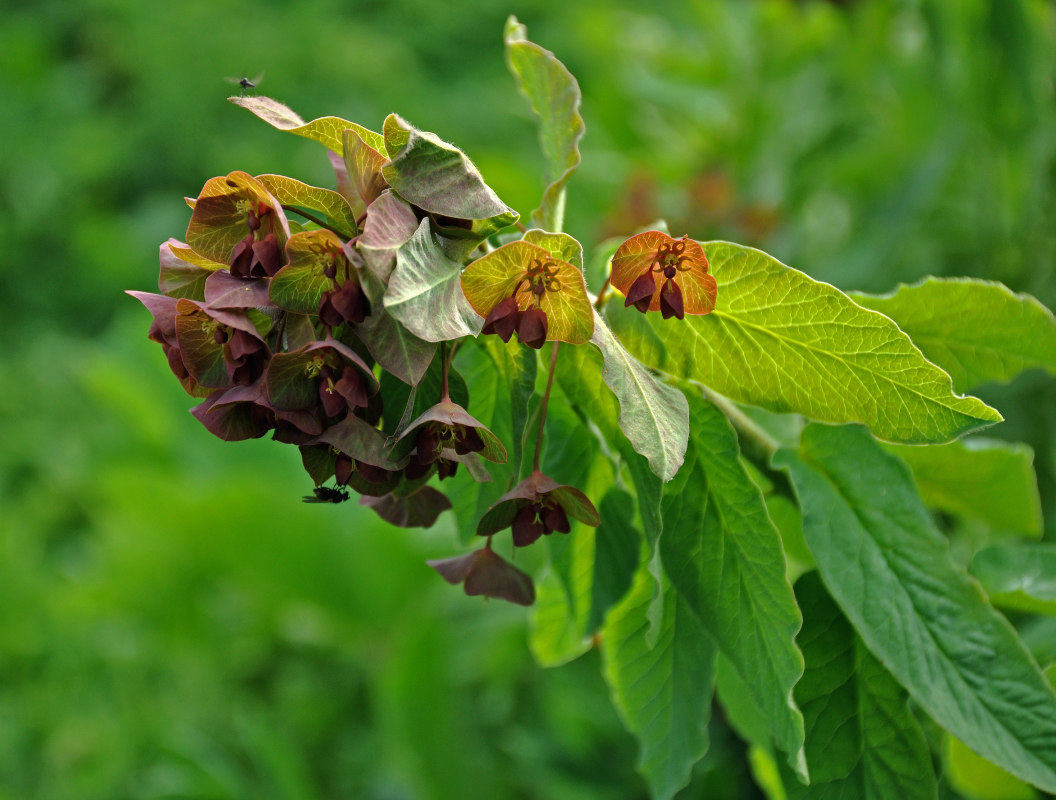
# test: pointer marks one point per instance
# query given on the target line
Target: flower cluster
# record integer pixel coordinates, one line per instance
(329, 318)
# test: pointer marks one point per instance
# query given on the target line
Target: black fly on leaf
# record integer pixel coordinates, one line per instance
(245, 83)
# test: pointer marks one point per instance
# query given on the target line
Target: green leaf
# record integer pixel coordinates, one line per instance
(653, 416)
(555, 639)
(290, 192)
(984, 479)
(724, 556)
(662, 692)
(862, 739)
(1022, 578)
(299, 286)
(780, 340)
(617, 548)
(329, 131)
(560, 245)
(425, 293)
(889, 570)
(555, 98)
(440, 178)
(503, 379)
(180, 278)
(579, 374)
(978, 779)
(978, 331)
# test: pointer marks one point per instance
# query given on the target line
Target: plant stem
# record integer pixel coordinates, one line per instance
(599, 301)
(316, 220)
(446, 364)
(542, 408)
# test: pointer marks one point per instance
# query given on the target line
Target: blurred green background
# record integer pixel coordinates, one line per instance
(174, 623)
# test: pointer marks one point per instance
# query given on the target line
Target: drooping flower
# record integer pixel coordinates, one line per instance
(523, 288)
(537, 506)
(441, 435)
(484, 572)
(656, 272)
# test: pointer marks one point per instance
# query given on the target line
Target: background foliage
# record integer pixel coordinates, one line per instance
(173, 621)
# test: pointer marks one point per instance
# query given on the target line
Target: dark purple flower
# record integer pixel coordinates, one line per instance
(537, 506)
(483, 572)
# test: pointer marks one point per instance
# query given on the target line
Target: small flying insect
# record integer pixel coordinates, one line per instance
(245, 83)
(324, 494)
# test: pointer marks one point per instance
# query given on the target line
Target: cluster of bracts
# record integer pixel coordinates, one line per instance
(263, 319)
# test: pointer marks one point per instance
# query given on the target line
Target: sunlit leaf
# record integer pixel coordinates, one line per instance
(890, 571)
(976, 330)
(653, 416)
(496, 276)
(299, 286)
(555, 97)
(290, 192)
(326, 130)
(561, 246)
(780, 340)
(363, 164)
(183, 278)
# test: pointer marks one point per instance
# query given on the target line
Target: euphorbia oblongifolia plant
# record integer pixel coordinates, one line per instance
(754, 441)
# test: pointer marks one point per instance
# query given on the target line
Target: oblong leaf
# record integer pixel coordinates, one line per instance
(724, 556)
(781, 340)
(862, 739)
(976, 330)
(890, 571)
(424, 292)
(329, 131)
(663, 691)
(555, 97)
(440, 178)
